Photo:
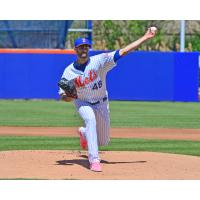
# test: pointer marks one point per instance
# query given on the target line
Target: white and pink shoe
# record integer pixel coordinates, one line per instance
(95, 166)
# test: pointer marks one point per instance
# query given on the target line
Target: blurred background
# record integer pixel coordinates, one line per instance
(105, 34)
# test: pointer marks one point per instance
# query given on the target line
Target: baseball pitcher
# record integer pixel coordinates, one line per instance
(84, 83)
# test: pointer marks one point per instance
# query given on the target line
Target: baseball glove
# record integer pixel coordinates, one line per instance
(69, 87)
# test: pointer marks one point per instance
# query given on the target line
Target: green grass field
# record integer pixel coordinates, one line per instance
(123, 114)
(116, 144)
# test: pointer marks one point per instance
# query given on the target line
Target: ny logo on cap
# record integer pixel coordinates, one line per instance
(83, 40)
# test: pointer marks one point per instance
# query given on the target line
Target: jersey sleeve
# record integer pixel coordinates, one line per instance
(108, 61)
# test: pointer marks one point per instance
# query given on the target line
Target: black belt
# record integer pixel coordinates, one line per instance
(95, 103)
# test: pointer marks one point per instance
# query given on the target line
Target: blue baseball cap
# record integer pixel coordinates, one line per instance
(81, 41)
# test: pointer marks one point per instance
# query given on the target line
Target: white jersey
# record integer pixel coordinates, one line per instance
(92, 102)
(92, 82)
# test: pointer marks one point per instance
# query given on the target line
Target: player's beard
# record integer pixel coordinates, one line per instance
(83, 55)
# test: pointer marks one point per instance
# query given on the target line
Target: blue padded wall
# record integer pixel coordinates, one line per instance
(145, 76)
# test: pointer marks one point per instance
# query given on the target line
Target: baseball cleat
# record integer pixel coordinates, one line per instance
(83, 141)
(96, 166)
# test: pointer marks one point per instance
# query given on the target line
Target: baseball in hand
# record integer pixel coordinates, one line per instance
(153, 29)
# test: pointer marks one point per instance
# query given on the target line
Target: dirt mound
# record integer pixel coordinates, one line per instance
(116, 165)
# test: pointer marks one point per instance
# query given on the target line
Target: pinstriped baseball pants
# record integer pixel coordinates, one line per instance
(97, 125)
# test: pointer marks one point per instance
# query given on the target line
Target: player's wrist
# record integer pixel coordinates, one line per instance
(144, 38)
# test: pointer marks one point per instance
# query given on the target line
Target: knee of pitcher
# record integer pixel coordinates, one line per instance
(91, 121)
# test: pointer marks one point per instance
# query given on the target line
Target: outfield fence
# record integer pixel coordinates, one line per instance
(145, 76)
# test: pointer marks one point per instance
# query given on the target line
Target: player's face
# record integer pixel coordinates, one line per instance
(82, 51)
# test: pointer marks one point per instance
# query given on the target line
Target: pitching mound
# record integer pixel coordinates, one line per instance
(116, 165)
